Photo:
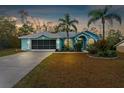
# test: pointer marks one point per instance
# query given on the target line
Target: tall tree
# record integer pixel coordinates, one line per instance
(67, 24)
(8, 33)
(103, 15)
(45, 28)
(25, 30)
(23, 15)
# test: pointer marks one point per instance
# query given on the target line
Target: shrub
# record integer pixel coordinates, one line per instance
(102, 48)
(111, 53)
(101, 44)
(65, 48)
(100, 53)
(92, 49)
(107, 53)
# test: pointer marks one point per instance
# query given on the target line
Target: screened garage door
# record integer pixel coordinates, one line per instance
(43, 44)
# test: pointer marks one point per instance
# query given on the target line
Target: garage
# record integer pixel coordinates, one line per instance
(43, 44)
(120, 47)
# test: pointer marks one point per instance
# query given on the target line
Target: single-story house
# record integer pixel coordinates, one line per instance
(52, 41)
(120, 47)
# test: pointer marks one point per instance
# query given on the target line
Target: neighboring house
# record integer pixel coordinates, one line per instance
(52, 41)
(120, 47)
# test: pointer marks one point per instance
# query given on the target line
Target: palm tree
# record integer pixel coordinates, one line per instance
(103, 15)
(66, 24)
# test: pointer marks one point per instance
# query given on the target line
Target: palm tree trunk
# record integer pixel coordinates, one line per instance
(68, 39)
(103, 23)
(67, 29)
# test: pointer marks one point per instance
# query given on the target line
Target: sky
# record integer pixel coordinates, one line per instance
(52, 13)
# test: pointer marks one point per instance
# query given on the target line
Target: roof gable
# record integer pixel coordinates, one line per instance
(42, 37)
(88, 35)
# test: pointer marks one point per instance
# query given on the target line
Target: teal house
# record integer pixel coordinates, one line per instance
(56, 41)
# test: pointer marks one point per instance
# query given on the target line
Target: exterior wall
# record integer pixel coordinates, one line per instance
(120, 48)
(59, 44)
(25, 44)
(73, 42)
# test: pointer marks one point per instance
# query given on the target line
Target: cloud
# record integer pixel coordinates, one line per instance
(93, 7)
(44, 14)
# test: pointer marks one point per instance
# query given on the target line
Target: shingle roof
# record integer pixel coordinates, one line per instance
(61, 35)
(50, 35)
(119, 43)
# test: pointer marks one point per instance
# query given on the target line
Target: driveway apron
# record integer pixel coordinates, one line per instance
(14, 67)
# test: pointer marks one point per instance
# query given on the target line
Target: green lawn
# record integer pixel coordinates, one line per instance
(6, 52)
(75, 70)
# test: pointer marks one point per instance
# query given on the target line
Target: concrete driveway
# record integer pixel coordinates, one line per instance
(15, 67)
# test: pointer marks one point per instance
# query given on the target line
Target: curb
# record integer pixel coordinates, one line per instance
(72, 52)
(102, 57)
